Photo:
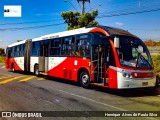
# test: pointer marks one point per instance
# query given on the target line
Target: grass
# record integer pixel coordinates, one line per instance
(2, 59)
(156, 62)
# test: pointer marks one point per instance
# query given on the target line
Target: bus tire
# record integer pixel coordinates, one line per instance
(13, 69)
(84, 79)
(36, 70)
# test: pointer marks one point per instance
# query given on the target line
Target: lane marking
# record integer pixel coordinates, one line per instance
(41, 79)
(26, 79)
(3, 77)
(97, 102)
(10, 79)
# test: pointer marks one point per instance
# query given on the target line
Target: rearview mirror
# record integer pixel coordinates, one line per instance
(116, 42)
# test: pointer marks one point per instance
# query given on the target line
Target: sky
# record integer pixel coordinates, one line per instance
(42, 17)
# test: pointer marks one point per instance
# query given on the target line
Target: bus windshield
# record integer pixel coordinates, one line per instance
(133, 53)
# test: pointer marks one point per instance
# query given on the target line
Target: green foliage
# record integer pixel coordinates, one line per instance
(156, 62)
(2, 51)
(77, 20)
(2, 59)
(19, 40)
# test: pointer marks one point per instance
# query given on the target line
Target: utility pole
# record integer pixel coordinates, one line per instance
(83, 2)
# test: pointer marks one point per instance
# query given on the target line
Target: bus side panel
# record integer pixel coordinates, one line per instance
(16, 63)
(34, 60)
(67, 68)
(20, 63)
(112, 77)
(55, 66)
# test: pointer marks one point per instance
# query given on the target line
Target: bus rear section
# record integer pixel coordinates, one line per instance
(18, 56)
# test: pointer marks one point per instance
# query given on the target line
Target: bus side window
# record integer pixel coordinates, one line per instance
(12, 52)
(15, 51)
(35, 48)
(18, 51)
(55, 47)
(111, 56)
(68, 46)
(83, 47)
(22, 50)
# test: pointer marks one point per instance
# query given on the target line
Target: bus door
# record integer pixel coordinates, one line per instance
(99, 61)
(43, 56)
(27, 55)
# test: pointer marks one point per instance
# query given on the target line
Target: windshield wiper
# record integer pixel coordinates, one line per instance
(145, 60)
(140, 55)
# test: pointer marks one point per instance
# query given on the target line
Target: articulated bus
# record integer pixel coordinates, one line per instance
(98, 55)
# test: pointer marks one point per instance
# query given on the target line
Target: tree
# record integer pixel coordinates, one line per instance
(2, 51)
(150, 42)
(77, 20)
(19, 40)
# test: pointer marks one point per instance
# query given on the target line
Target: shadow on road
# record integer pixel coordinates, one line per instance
(121, 92)
(131, 92)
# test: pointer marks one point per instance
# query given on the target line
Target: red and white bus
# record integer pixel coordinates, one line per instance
(99, 55)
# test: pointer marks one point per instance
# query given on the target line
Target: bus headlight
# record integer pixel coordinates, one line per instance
(127, 75)
(124, 74)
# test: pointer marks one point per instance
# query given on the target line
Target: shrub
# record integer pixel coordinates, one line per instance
(2, 59)
(156, 63)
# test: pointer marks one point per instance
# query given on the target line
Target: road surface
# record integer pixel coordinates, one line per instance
(21, 92)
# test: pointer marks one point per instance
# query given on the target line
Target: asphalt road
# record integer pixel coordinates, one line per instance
(21, 92)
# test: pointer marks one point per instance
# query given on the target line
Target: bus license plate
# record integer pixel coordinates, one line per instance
(144, 83)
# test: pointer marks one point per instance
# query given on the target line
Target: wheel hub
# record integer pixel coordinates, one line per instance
(85, 79)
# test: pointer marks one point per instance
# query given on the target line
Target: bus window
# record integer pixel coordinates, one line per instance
(44, 47)
(22, 50)
(18, 51)
(56, 42)
(35, 48)
(14, 51)
(55, 51)
(55, 47)
(83, 47)
(68, 46)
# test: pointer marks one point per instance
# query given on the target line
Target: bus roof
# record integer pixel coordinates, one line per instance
(110, 30)
(65, 33)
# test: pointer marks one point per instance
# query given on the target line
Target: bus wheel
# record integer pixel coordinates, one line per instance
(13, 69)
(36, 70)
(84, 79)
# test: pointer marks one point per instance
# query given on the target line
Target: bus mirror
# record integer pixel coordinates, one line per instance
(116, 42)
(140, 49)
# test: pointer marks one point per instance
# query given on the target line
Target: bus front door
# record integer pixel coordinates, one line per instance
(100, 55)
